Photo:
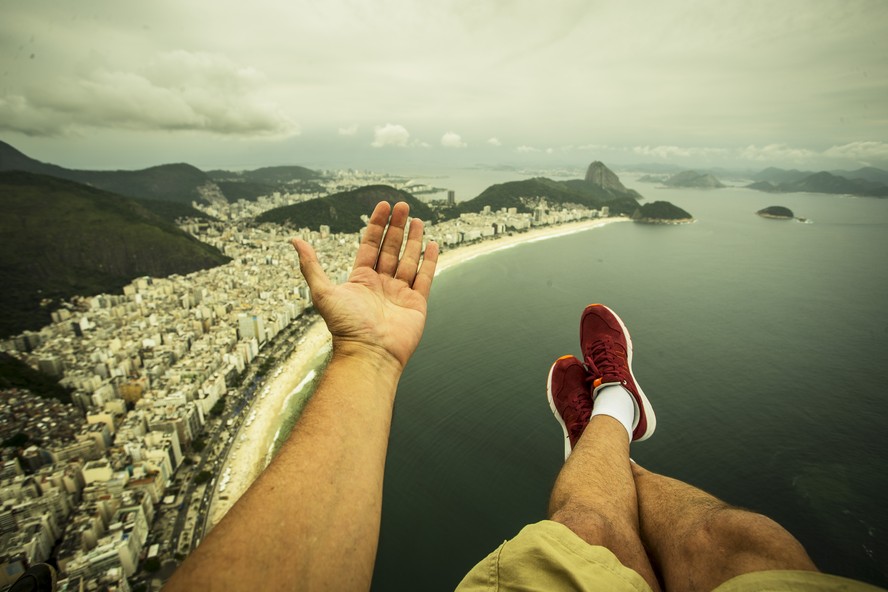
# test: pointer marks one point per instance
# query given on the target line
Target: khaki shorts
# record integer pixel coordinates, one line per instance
(548, 556)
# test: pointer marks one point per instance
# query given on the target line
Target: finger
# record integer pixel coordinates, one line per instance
(423, 281)
(310, 267)
(368, 251)
(410, 258)
(387, 262)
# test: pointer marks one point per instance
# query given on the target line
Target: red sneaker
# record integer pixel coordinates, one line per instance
(607, 351)
(569, 399)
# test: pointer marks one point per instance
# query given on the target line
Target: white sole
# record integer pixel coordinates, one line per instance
(557, 415)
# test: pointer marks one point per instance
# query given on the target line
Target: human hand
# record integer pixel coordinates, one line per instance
(381, 309)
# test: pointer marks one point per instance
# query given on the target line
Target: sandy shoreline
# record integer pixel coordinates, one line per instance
(454, 257)
(251, 451)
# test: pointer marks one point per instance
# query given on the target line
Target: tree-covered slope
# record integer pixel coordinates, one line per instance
(661, 211)
(59, 239)
(524, 195)
(342, 211)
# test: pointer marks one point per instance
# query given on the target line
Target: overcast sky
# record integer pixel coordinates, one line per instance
(386, 83)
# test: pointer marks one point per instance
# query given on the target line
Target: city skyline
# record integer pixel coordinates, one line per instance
(400, 84)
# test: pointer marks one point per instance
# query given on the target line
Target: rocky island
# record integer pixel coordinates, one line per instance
(693, 179)
(776, 213)
(661, 212)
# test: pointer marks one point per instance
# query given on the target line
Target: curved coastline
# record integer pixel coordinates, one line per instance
(252, 454)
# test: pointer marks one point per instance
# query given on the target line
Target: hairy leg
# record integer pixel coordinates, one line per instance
(696, 542)
(594, 495)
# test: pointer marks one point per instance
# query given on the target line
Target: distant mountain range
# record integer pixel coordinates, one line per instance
(178, 183)
(865, 182)
(59, 238)
(250, 185)
(775, 175)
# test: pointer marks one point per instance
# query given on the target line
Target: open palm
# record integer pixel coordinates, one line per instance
(382, 307)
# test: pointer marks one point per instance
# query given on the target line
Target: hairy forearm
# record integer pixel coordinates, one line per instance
(311, 520)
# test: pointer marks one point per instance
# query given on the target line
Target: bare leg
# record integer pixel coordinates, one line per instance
(696, 542)
(594, 495)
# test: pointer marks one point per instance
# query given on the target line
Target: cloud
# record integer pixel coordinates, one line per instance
(494, 142)
(776, 152)
(390, 134)
(175, 91)
(667, 152)
(348, 131)
(863, 152)
(452, 140)
(525, 149)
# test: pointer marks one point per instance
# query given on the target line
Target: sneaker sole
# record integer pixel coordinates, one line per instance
(649, 414)
(557, 415)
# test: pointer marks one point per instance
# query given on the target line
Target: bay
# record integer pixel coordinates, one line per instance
(762, 345)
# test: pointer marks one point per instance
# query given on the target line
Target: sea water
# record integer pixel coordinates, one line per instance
(762, 345)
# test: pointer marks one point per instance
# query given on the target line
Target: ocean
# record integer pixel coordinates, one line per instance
(762, 345)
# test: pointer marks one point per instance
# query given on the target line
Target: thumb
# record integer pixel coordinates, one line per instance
(310, 266)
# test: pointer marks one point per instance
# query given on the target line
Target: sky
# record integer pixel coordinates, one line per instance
(385, 84)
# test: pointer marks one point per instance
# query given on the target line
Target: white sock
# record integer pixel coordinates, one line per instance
(615, 401)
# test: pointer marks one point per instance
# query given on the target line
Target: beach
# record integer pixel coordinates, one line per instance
(453, 257)
(251, 451)
(254, 440)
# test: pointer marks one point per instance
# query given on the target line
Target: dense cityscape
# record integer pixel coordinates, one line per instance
(115, 489)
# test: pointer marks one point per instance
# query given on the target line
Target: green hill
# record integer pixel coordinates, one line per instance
(250, 185)
(180, 182)
(342, 211)
(524, 195)
(59, 239)
(280, 174)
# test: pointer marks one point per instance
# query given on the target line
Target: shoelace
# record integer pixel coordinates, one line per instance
(604, 359)
(583, 412)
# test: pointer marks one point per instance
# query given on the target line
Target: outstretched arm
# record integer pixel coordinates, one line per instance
(311, 520)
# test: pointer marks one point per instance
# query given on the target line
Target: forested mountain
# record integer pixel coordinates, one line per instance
(59, 238)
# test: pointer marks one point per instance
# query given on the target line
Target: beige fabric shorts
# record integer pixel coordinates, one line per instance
(548, 557)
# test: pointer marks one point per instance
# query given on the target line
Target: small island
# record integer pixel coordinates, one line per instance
(693, 179)
(661, 212)
(776, 213)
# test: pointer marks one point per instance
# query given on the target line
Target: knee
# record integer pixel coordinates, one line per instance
(744, 539)
(590, 525)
